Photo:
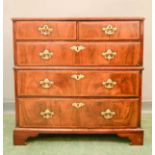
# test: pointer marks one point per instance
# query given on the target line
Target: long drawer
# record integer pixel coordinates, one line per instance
(109, 30)
(78, 53)
(83, 113)
(45, 30)
(77, 83)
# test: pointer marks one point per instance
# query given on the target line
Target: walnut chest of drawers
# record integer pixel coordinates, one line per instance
(78, 76)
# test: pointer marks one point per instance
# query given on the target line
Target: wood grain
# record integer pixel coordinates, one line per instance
(61, 30)
(88, 116)
(90, 85)
(93, 30)
(127, 54)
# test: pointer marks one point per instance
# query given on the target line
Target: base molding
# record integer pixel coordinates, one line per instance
(135, 135)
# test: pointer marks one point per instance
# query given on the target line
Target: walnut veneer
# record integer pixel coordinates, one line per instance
(78, 76)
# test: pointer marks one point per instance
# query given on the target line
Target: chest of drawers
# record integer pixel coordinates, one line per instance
(78, 76)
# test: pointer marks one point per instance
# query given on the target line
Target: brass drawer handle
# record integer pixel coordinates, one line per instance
(46, 54)
(45, 30)
(77, 76)
(108, 114)
(47, 114)
(46, 83)
(109, 54)
(109, 29)
(78, 105)
(109, 84)
(77, 49)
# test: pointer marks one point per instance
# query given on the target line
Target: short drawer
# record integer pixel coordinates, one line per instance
(77, 83)
(82, 113)
(45, 30)
(78, 53)
(109, 30)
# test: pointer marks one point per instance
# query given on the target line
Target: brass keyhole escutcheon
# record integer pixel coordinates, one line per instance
(78, 105)
(77, 48)
(77, 76)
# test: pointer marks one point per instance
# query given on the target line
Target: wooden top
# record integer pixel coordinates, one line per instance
(80, 19)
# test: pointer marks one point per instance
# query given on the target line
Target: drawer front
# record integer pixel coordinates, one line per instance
(109, 30)
(45, 30)
(84, 113)
(78, 53)
(77, 83)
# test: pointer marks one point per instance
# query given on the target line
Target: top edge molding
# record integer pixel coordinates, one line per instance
(81, 19)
